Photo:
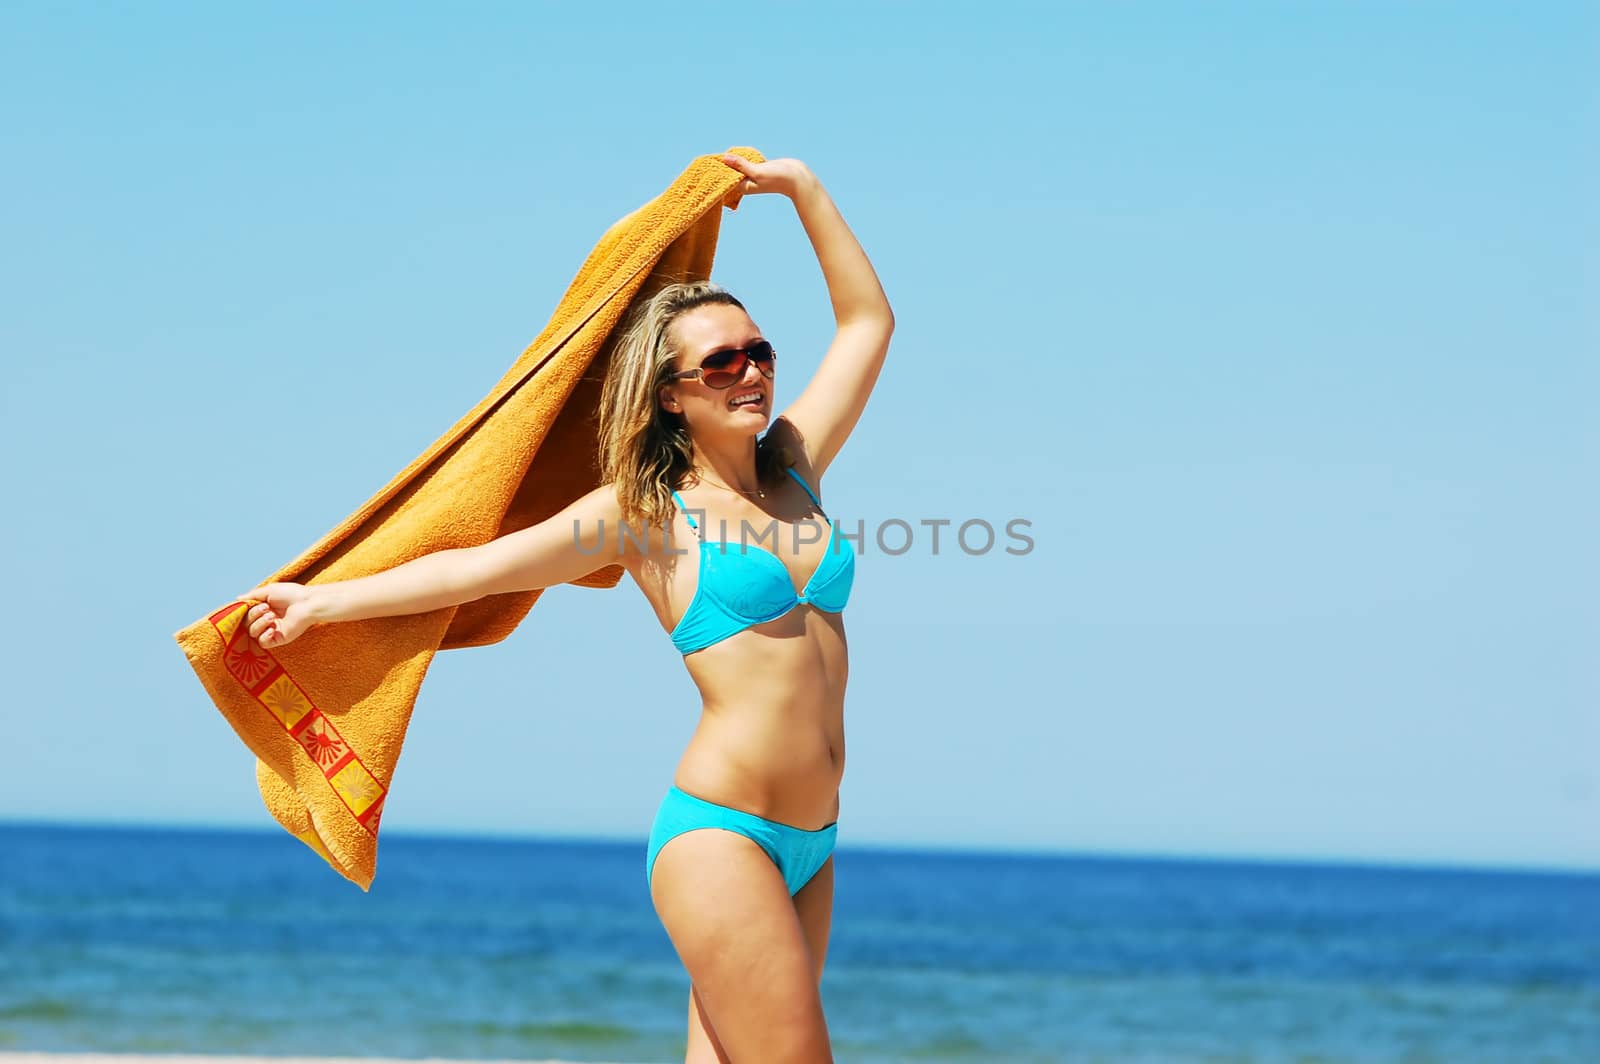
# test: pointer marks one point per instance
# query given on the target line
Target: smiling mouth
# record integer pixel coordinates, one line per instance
(747, 399)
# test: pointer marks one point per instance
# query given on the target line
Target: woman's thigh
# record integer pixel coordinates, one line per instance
(813, 904)
(739, 934)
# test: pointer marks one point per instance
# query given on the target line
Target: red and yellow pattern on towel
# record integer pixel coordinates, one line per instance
(269, 684)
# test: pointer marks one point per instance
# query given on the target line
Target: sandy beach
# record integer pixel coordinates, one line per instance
(206, 1058)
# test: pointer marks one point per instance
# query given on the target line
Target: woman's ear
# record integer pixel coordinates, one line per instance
(668, 401)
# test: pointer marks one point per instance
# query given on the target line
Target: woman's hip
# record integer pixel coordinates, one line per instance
(797, 852)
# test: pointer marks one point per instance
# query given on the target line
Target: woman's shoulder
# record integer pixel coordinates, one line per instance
(637, 534)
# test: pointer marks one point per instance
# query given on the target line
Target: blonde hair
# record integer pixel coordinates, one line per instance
(645, 450)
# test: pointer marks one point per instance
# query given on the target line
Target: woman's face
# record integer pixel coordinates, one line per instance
(746, 406)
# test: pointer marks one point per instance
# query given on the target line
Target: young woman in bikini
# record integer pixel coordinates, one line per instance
(749, 576)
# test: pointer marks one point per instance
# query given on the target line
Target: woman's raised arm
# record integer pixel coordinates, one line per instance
(826, 412)
(573, 543)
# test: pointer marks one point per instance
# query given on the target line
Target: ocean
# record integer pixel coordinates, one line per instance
(191, 941)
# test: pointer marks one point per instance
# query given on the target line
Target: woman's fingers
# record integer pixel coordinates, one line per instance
(745, 167)
(267, 633)
(261, 624)
(264, 619)
(259, 617)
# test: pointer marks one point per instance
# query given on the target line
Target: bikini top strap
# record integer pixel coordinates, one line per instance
(809, 492)
(679, 500)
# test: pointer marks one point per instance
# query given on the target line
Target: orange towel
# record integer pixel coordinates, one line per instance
(326, 714)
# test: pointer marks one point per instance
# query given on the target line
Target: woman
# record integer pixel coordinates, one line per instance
(743, 572)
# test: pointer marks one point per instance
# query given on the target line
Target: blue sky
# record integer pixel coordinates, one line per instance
(1277, 322)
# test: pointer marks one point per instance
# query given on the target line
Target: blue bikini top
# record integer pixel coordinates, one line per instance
(749, 585)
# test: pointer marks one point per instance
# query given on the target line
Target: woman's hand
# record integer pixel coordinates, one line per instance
(784, 176)
(281, 614)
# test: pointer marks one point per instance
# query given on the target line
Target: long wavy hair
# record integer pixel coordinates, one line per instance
(645, 450)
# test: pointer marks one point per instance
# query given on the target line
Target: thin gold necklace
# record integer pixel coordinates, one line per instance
(756, 491)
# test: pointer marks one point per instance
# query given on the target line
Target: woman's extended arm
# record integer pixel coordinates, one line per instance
(826, 412)
(573, 543)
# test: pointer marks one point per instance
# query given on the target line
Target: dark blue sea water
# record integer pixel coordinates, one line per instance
(219, 942)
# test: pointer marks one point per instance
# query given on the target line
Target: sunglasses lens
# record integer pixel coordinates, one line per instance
(724, 369)
(721, 369)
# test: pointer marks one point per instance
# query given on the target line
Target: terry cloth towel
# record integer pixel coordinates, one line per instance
(326, 715)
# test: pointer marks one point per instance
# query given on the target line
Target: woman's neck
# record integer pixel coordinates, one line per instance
(733, 463)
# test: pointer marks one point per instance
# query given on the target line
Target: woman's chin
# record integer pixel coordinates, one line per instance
(749, 416)
(738, 423)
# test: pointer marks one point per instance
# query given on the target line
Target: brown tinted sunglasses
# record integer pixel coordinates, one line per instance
(723, 369)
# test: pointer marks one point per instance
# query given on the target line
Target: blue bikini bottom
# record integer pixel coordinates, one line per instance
(797, 853)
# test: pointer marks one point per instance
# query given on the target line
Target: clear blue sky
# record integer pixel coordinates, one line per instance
(1277, 321)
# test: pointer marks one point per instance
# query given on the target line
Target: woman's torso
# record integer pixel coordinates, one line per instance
(770, 739)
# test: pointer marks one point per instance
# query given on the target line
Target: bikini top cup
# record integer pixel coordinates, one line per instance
(741, 585)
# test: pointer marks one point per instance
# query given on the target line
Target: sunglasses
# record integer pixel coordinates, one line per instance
(723, 369)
